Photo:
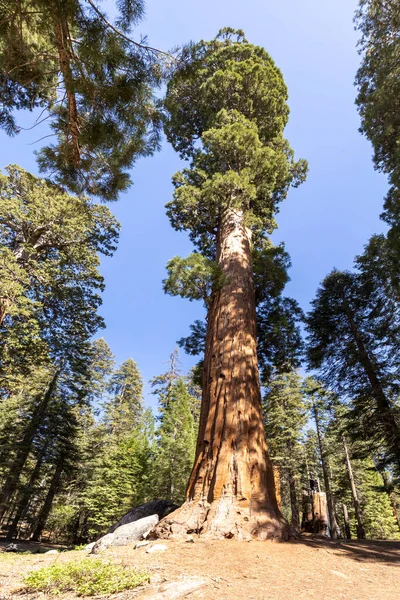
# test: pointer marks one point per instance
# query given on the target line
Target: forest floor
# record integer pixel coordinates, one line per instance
(300, 570)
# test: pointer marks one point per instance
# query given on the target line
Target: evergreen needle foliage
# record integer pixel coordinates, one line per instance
(91, 80)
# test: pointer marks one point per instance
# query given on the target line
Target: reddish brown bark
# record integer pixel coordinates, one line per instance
(231, 491)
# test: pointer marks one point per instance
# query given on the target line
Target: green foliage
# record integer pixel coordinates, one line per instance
(51, 243)
(176, 439)
(85, 577)
(378, 517)
(378, 81)
(93, 82)
(231, 95)
(194, 277)
(353, 341)
(285, 416)
(124, 408)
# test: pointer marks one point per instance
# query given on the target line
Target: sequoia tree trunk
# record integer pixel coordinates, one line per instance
(231, 490)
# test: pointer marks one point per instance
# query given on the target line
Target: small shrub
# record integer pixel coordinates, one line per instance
(86, 577)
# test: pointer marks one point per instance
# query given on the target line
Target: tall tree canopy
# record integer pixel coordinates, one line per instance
(353, 340)
(226, 111)
(90, 78)
(378, 100)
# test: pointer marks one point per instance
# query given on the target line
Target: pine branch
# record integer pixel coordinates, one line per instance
(118, 32)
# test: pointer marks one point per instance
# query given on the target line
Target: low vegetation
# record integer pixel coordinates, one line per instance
(86, 577)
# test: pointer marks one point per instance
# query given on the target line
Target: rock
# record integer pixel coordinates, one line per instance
(190, 539)
(12, 548)
(103, 543)
(339, 574)
(124, 535)
(132, 532)
(156, 548)
(156, 507)
(89, 546)
(177, 589)
(51, 552)
(141, 544)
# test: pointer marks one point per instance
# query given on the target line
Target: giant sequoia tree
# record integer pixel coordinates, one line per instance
(226, 105)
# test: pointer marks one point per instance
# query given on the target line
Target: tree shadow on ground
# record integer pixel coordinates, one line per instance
(385, 552)
(27, 546)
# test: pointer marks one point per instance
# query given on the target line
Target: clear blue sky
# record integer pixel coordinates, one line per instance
(324, 223)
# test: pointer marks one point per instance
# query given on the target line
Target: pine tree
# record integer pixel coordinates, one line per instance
(353, 341)
(378, 98)
(320, 401)
(285, 414)
(117, 453)
(226, 110)
(92, 81)
(124, 409)
(175, 444)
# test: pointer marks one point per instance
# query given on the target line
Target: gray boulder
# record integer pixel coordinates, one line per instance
(156, 507)
(89, 546)
(125, 534)
(103, 543)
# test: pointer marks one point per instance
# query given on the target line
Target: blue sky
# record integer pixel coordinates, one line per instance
(324, 223)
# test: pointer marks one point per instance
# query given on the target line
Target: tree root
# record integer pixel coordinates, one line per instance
(222, 520)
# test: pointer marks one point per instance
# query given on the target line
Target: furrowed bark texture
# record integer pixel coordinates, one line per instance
(231, 491)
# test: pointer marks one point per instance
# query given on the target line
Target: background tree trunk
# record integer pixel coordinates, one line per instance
(26, 495)
(45, 510)
(294, 505)
(360, 526)
(24, 448)
(231, 491)
(333, 526)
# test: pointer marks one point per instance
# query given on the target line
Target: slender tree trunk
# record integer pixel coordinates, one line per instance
(346, 523)
(231, 490)
(26, 494)
(333, 526)
(45, 510)
(294, 505)
(277, 479)
(385, 411)
(360, 526)
(24, 448)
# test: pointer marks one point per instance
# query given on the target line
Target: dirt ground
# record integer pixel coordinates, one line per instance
(299, 570)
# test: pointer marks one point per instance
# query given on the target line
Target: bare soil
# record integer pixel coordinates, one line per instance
(300, 570)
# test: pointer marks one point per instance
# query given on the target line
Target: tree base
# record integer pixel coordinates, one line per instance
(223, 519)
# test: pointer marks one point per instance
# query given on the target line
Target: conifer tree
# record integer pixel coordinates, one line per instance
(353, 340)
(285, 414)
(226, 111)
(92, 81)
(175, 445)
(320, 401)
(378, 84)
(125, 407)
